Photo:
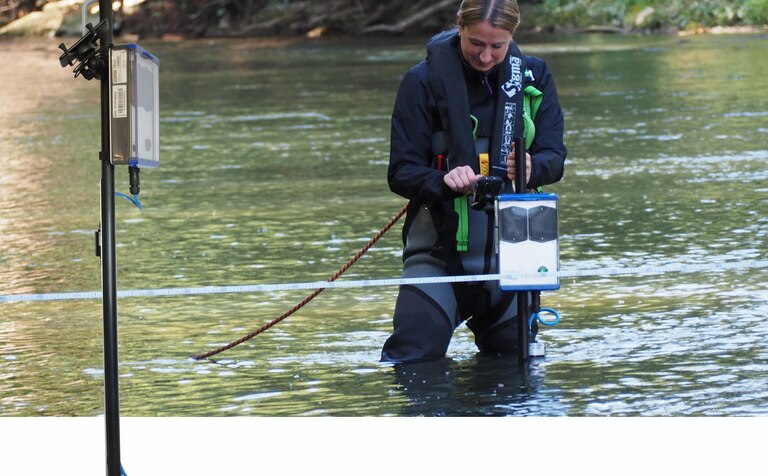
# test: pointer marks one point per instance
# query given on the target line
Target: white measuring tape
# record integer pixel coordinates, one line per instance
(256, 288)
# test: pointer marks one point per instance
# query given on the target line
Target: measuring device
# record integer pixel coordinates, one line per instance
(130, 135)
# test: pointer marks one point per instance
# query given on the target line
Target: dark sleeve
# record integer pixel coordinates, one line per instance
(547, 151)
(411, 173)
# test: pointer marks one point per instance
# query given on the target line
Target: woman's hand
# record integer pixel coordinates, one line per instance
(511, 166)
(460, 179)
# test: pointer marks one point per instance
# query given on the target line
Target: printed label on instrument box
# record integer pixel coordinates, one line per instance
(119, 101)
(119, 66)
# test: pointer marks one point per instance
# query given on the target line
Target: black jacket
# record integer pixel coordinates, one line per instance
(415, 117)
(411, 172)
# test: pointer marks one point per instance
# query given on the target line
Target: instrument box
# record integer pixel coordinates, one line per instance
(528, 242)
(134, 106)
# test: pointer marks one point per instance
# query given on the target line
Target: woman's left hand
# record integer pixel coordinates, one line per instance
(511, 166)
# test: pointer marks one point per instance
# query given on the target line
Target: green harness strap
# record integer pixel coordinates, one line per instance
(531, 103)
(461, 206)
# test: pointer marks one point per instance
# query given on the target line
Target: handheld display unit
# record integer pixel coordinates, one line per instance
(134, 106)
(529, 256)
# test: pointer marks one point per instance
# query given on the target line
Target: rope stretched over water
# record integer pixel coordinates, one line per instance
(314, 294)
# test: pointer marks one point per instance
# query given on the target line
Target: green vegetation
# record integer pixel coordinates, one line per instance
(403, 17)
(648, 14)
(360, 17)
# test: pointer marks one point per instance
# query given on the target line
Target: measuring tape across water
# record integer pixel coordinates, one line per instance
(257, 288)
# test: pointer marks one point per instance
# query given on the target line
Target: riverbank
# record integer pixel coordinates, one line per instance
(151, 19)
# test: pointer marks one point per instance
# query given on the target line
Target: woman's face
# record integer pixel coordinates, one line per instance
(483, 45)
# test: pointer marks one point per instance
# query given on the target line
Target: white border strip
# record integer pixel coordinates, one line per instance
(256, 288)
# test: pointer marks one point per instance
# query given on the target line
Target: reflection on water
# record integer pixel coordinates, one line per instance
(480, 386)
(273, 171)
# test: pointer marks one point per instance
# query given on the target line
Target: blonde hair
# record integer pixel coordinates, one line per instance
(499, 13)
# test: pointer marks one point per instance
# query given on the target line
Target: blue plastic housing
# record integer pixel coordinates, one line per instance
(134, 78)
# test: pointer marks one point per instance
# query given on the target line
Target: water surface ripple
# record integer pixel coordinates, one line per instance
(273, 170)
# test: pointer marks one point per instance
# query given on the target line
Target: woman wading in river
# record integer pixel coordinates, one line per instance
(452, 122)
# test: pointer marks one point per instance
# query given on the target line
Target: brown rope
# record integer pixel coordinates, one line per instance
(314, 294)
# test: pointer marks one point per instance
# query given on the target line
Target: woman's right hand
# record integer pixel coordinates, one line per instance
(460, 179)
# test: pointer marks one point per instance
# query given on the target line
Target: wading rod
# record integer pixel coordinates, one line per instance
(522, 296)
(108, 266)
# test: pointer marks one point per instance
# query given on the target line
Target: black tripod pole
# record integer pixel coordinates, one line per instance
(522, 296)
(108, 267)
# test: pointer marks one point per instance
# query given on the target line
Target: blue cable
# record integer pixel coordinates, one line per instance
(134, 200)
(537, 317)
(122, 471)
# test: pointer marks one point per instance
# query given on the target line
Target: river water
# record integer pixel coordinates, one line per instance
(273, 170)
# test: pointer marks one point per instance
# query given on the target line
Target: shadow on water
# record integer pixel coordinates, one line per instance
(476, 387)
